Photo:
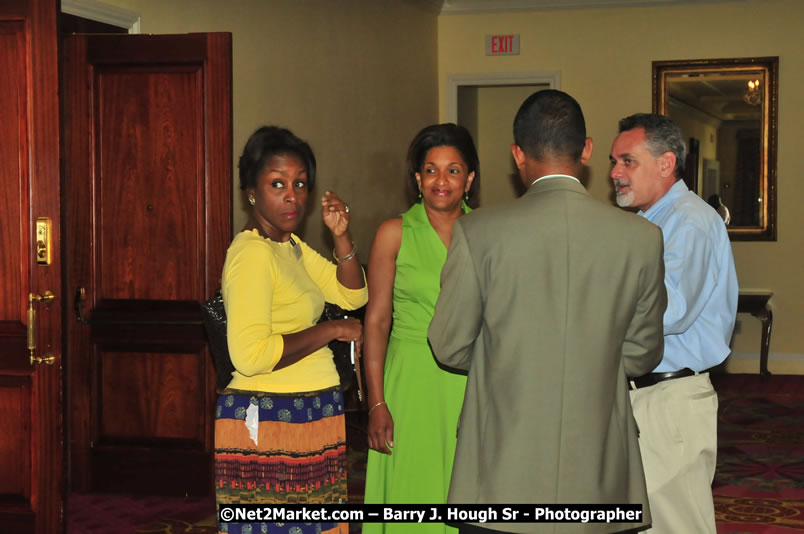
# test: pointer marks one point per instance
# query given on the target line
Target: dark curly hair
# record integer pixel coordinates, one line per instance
(267, 142)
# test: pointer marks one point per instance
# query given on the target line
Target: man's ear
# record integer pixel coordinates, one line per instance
(667, 164)
(587, 150)
(519, 156)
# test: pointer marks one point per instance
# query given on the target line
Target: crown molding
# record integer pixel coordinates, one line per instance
(101, 12)
(457, 7)
(430, 5)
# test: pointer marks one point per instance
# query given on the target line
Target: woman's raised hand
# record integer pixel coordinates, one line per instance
(335, 213)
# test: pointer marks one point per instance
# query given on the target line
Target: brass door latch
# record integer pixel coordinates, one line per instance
(43, 240)
(47, 297)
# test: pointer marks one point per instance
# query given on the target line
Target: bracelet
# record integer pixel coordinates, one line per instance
(348, 256)
(376, 405)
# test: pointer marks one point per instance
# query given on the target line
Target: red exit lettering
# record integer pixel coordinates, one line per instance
(501, 44)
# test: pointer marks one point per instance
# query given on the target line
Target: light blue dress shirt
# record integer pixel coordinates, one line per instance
(700, 278)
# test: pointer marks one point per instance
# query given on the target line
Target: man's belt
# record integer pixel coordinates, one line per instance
(652, 379)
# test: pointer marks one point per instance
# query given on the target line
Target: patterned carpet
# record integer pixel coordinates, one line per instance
(124, 514)
(759, 482)
(175, 526)
(758, 487)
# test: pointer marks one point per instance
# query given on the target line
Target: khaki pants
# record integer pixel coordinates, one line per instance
(677, 422)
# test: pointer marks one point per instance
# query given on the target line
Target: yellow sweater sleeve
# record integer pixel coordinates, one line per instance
(248, 291)
(324, 274)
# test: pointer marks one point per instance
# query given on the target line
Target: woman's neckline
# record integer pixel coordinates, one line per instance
(290, 241)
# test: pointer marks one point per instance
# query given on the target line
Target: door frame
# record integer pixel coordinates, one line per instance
(31, 376)
(179, 324)
(130, 20)
(491, 79)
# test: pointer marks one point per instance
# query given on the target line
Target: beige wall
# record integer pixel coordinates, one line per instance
(356, 79)
(491, 110)
(360, 79)
(605, 56)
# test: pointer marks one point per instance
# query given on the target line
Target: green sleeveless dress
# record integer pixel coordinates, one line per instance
(424, 400)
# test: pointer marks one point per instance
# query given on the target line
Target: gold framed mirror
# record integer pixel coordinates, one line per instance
(728, 110)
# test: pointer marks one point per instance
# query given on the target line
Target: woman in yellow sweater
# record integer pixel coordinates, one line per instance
(279, 431)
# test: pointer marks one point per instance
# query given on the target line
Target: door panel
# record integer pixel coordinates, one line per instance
(159, 114)
(13, 197)
(147, 136)
(31, 470)
(172, 379)
(15, 402)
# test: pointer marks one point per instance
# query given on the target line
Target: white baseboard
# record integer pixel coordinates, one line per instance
(772, 356)
(779, 363)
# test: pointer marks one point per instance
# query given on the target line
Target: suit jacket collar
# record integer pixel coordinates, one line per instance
(556, 184)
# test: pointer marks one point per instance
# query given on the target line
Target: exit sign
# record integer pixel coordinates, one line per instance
(502, 45)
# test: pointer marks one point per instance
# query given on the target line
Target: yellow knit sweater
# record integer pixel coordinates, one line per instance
(270, 289)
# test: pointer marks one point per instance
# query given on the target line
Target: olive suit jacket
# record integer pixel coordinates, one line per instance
(550, 302)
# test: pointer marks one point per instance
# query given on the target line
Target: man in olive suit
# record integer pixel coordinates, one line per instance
(550, 302)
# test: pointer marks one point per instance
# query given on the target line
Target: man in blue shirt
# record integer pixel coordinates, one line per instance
(676, 406)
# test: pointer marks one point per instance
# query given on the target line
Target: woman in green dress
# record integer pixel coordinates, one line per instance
(413, 403)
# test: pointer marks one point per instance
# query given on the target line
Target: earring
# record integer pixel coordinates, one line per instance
(466, 196)
(420, 194)
(251, 200)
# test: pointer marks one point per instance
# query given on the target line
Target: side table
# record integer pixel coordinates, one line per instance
(756, 302)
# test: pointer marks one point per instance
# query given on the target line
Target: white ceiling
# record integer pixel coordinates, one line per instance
(487, 6)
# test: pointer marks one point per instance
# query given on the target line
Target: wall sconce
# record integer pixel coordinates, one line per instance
(753, 94)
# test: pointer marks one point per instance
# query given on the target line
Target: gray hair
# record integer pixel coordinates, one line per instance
(661, 135)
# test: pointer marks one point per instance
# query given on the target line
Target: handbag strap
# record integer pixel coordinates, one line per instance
(361, 395)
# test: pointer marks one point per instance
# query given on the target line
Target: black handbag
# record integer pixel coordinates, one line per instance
(347, 364)
(214, 317)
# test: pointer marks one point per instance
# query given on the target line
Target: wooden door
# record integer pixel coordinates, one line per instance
(748, 168)
(31, 471)
(147, 174)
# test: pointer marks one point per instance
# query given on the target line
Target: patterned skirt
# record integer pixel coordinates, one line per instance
(275, 448)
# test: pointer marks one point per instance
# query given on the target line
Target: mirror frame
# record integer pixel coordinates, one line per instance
(770, 113)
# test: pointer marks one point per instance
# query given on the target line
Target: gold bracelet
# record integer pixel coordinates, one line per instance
(348, 256)
(378, 404)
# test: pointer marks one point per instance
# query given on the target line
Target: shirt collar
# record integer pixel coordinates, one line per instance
(678, 189)
(551, 176)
